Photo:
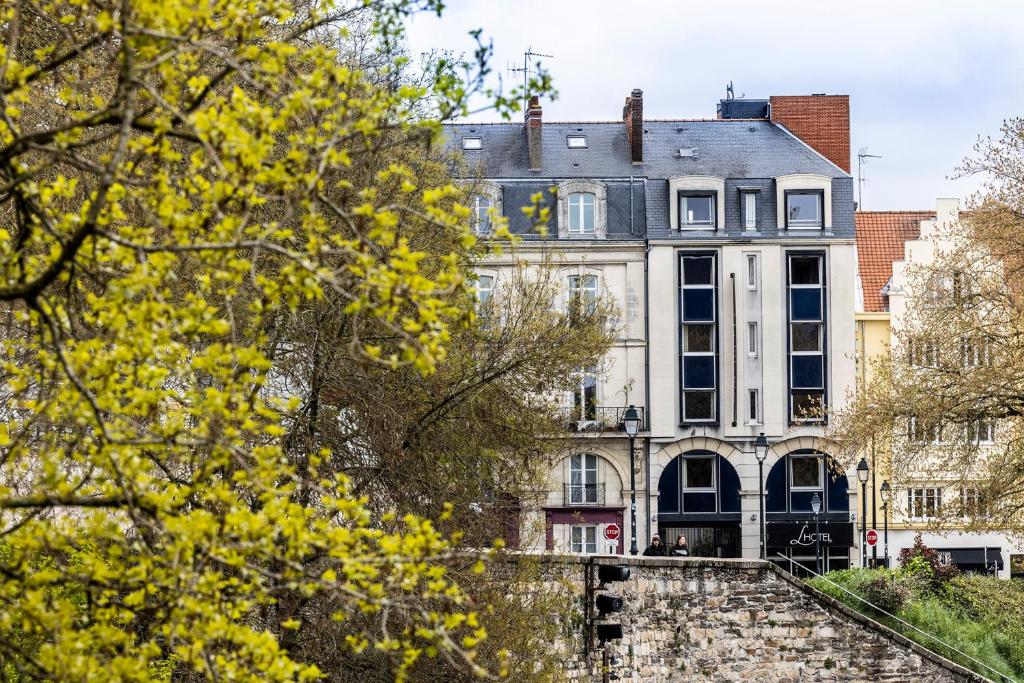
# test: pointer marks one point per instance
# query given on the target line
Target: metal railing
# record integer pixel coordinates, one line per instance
(598, 419)
(582, 494)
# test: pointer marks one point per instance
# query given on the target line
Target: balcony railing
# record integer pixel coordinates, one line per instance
(603, 419)
(575, 495)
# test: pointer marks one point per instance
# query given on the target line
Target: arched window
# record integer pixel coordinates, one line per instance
(698, 482)
(794, 479)
(582, 209)
(587, 480)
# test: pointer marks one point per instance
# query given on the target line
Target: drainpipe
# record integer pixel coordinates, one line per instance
(647, 388)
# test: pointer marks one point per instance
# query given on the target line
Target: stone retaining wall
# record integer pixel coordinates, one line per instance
(736, 620)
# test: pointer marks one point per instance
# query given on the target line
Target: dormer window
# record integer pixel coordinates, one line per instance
(576, 141)
(697, 210)
(472, 143)
(582, 213)
(804, 209)
(481, 214)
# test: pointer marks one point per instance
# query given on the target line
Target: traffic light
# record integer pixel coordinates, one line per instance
(609, 603)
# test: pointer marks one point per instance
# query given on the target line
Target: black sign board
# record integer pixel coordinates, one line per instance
(801, 534)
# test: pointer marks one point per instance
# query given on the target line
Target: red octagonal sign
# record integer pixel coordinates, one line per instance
(872, 537)
(611, 532)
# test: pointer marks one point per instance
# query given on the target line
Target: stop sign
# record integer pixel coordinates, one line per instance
(872, 537)
(611, 532)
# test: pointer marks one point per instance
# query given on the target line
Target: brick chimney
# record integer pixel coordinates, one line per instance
(533, 130)
(633, 115)
(822, 121)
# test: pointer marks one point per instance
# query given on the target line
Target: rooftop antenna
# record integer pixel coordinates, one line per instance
(730, 92)
(525, 70)
(862, 154)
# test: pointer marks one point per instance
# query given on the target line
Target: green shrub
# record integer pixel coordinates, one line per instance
(886, 590)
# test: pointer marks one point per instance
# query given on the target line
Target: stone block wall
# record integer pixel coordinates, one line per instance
(735, 620)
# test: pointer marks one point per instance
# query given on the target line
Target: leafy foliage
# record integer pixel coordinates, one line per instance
(181, 184)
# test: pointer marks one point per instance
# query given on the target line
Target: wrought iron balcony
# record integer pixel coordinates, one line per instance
(599, 419)
(578, 495)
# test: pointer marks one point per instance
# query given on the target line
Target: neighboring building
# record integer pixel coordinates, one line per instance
(728, 245)
(890, 244)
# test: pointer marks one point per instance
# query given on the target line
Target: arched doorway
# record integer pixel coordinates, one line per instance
(699, 497)
(791, 485)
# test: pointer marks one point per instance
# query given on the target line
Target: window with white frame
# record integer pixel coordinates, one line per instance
(584, 396)
(583, 539)
(482, 214)
(697, 210)
(921, 431)
(699, 474)
(484, 289)
(576, 141)
(977, 353)
(806, 473)
(806, 310)
(752, 339)
(804, 209)
(583, 292)
(749, 210)
(922, 353)
(924, 502)
(582, 213)
(751, 271)
(472, 144)
(981, 431)
(583, 478)
(972, 502)
(699, 338)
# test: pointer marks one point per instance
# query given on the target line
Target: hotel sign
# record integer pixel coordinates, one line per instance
(802, 535)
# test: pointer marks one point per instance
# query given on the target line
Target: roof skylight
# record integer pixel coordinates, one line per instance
(576, 141)
(472, 143)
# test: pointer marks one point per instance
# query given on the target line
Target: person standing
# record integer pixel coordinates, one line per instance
(655, 549)
(680, 549)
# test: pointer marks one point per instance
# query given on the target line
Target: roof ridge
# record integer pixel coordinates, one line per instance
(895, 211)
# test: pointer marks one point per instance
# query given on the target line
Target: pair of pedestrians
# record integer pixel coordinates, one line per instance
(656, 549)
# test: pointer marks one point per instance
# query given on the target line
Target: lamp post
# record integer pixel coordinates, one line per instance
(761, 452)
(862, 475)
(816, 508)
(631, 421)
(886, 491)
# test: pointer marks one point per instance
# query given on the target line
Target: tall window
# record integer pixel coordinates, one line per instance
(977, 353)
(583, 292)
(922, 353)
(752, 339)
(697, 211)
(699, 333)
(481, 214)
(972, 502)
(583, 539)
(981, 431)
(806, 337)
(753, 410)
(921, 431)
(583, 478)
(585, 396)
(751, 271)
(749, 210)
(924, 502)
(582, 213)
(484, 289)
(804, 208)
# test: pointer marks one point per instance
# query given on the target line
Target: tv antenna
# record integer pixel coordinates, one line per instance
(525, 70)
(862, 154)
(730, 92)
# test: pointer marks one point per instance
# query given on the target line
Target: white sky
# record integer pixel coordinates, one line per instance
(925, 78)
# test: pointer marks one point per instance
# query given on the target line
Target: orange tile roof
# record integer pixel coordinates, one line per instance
(880, 238)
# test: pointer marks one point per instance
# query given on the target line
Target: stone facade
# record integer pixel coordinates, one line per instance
(735, 620)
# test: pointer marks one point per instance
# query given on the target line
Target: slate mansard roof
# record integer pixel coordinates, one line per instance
(725, 148)
(748, 153)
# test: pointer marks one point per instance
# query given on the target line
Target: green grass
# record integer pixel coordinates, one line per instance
(979, 616)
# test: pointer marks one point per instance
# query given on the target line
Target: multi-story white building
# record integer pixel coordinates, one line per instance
(932, 501)
(727, 245)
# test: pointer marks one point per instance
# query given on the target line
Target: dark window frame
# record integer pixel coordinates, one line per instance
(716, 403)
(823, 286)
(821, 209)
(696, 226)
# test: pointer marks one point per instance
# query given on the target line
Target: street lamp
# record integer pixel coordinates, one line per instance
(816, 508)
(862, 474)
(761, 452)
(886, 491)
(631, 421)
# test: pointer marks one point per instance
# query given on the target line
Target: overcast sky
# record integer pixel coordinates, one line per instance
(924, 78)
